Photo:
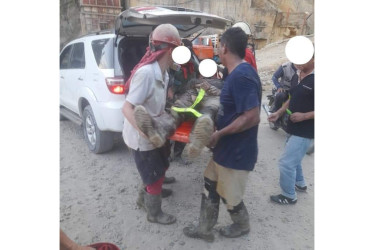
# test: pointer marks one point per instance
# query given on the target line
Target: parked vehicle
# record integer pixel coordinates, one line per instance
(203, 48)
(94, 68)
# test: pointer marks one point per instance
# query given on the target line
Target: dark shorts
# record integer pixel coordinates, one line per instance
(152, 164)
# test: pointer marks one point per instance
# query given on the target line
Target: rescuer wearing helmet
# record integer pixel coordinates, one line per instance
(147, 88)
(249, 57)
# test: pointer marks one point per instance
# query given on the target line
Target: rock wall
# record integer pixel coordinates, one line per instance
(270, 20)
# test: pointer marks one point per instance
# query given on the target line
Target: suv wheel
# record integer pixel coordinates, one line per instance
(98, 141)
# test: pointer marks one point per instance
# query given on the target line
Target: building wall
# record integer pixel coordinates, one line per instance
(80, 17)
(96, 15)
(70, 25)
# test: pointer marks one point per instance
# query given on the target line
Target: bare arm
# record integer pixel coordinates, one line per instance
(67, 244)
(273, 117)
(299, 117)
(294, 117)
(247, 120)
(210, 89)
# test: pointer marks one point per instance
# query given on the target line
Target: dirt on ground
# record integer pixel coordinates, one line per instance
(98, 192)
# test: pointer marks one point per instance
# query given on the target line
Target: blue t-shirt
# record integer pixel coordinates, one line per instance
(241, 92)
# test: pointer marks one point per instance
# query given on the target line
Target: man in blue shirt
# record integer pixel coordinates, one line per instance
(234, 143)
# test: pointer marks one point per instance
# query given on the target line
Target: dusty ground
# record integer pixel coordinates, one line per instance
(98, 193)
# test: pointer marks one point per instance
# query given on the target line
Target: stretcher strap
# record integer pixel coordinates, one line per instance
(191, 108)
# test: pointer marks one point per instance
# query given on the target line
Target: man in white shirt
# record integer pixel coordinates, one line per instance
(147, 89)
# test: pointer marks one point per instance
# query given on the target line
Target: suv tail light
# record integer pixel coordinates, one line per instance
(116, 85)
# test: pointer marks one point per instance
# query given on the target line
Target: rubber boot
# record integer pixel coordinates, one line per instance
(165, 192)
(146, 124)
(240, 225)
(208, 218)
(203, 127)
(199, 136)
(154, 212)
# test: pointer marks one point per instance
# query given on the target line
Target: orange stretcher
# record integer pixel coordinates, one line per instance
(183, 132)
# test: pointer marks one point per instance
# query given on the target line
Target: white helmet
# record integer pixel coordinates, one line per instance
(244, 26)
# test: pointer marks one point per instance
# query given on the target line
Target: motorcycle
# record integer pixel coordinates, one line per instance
(283, 120)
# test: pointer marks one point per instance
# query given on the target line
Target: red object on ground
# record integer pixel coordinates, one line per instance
(104, 246)
(183, 132)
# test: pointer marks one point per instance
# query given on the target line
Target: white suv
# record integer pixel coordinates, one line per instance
(94, 68)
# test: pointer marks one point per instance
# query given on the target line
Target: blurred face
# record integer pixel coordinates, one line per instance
(305, 67)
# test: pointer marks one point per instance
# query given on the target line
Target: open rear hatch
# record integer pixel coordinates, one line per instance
(140, 21)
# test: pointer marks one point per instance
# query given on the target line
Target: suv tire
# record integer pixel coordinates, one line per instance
(98, 141)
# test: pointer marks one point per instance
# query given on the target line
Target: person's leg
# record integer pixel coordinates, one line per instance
(152, 166)
(209, 209)
(231, 187)
(203, 127)
(299, 176)
(289, 162)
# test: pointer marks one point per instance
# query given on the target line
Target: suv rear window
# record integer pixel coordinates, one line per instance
(103, 51)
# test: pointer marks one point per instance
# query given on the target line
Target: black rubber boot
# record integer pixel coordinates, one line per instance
(208, 218)
(154, 212)
(165, 192)
(240, 225)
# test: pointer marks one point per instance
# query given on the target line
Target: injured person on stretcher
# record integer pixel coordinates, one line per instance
(201, 106)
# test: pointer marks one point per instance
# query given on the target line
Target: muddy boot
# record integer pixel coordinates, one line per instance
(140, 200)
(165, 192)
(199, 136)
(154, 212)
(147, 126)
(208, 218)
(240, 225)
